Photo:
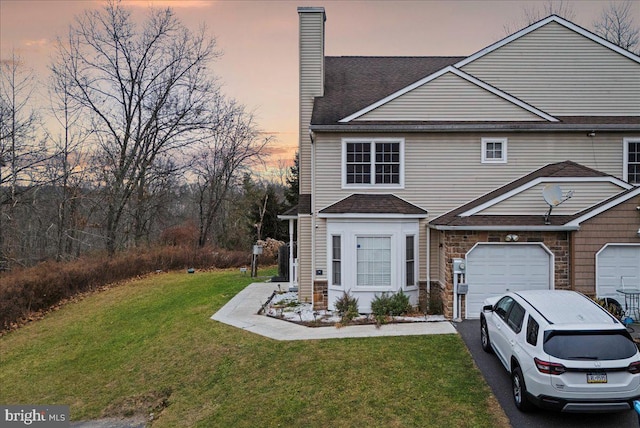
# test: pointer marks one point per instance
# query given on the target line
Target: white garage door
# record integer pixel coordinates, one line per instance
(493, 269)
(617, 265)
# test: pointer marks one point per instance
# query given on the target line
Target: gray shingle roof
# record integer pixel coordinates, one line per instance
(373, 204)
(352, 83)
(355, 82)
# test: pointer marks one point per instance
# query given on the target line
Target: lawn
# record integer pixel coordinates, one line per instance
(150, 344)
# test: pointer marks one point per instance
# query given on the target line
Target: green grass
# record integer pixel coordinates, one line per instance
(150, 343)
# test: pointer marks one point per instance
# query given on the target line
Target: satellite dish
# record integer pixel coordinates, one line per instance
(552, 194)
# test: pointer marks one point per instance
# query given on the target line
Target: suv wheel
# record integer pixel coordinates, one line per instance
(519, 390)
(484, 335)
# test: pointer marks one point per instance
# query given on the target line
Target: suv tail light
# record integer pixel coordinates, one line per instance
(634, 368)
(555, 368)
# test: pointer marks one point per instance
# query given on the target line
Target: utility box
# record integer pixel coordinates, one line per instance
(463, 288)
(458, 266)
(257, 249)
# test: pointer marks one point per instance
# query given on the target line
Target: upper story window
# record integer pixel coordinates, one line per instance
(494, 150)
(377, 162)
(632, 160)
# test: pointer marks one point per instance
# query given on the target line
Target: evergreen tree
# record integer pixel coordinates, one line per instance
(292, 192)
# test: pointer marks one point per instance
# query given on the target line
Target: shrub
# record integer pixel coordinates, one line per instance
(25, 291)
(347, 307)
(390, 305)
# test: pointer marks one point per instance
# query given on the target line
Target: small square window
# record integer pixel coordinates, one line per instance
(494, 150)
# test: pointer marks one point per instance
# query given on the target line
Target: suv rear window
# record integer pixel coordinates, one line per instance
(589, 345)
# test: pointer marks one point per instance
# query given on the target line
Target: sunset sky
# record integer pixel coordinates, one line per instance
(260, 45)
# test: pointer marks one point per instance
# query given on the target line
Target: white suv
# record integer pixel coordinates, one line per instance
(563, 351)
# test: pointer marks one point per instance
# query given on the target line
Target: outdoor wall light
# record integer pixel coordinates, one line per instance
(591, 134)
(638, 233)
(511, 238)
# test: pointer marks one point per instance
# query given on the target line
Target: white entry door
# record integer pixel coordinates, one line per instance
(494, 269)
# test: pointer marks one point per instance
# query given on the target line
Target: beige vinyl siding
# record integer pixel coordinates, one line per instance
(444, 171)
(321, 248)
(450, 97)
(436, 254)
(304, 258)
(422, 253)
(563, 73)
(311, 53)
(586, 194)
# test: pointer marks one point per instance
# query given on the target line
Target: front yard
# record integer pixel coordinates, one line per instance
(149, 346)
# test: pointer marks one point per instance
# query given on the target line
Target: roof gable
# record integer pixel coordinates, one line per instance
(507, 106)
(562, 72)
(477, 213)
(352, 83)
(533, 27)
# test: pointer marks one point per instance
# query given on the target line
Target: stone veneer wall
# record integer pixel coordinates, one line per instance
(458, 243)
(320, 295)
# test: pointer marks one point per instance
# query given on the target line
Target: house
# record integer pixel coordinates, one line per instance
(514, 168)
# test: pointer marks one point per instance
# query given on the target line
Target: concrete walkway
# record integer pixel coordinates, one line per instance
(241, 311)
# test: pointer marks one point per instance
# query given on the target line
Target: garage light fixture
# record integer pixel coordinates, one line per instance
(515, 238)
(638, 233)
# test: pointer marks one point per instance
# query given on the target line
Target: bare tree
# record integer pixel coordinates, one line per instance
(616, 24)
(67, 167)
(230, 148)
(20, 154)
(146, 89)
(540, 11)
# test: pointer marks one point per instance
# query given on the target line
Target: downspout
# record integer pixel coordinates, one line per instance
(428, 259)
(291, 267)
(313, 219)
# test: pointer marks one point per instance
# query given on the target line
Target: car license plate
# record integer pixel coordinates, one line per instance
(596, 378)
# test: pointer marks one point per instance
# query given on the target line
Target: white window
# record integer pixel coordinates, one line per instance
(631, 171)
(494, 150)
(377, 162)
(373, 259)
(336, 260)
(410, 261)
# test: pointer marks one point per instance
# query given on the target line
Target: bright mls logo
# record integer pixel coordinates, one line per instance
(36, 416)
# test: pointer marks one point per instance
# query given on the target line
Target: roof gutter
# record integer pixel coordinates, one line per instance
(465, 127)
(563, 228)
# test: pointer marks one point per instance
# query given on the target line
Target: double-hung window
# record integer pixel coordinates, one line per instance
(336, 260)
(632, 160)
(494, 150)
(373, 258)
(377, 162)
(410, 260)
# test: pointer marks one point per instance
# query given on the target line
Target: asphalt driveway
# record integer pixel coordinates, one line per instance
(500, 383)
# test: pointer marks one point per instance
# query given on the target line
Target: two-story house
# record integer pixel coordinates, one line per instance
(513, 168)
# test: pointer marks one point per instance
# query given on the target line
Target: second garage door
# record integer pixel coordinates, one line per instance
(493, 269)
(617, 267)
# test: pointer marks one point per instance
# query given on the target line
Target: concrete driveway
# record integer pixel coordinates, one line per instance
(500, 383)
